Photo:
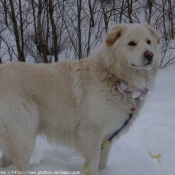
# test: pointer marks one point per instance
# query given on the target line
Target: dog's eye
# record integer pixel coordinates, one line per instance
(148, 42)
(132, 43)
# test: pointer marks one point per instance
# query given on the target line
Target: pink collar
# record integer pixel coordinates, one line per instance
(122, 87)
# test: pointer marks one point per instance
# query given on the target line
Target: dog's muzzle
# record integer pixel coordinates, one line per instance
(148, 58)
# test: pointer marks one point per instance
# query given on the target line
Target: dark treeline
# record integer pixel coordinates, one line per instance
(52, 30)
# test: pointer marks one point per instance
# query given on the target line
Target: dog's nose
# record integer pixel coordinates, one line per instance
(148, 57)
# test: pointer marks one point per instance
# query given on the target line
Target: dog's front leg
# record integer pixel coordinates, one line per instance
(90, 144)
(104, 156)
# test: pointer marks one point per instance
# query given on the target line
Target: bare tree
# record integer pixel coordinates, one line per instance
(15, 28)
(54, 32)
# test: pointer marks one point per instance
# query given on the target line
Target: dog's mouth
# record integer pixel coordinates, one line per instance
(145, 66)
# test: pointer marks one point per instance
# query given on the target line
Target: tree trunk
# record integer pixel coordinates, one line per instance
(91, 14)
(171, 18)
(79, 8)
(41, 44)
(129, 11)
(54, 32)
(15, 27)
(21, 28)
(150, 5)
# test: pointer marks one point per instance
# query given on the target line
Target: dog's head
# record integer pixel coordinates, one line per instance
(130, 52)
(134, 45)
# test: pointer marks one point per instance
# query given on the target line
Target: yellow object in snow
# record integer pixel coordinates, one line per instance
(156, 157)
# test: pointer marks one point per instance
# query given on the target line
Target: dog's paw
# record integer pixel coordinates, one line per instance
(101, 167)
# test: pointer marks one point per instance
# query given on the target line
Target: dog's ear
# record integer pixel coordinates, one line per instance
(153, 32)
(113, 34)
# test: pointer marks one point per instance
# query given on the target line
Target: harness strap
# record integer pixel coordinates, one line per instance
(107, 142)
(116, 132)
(84, 168)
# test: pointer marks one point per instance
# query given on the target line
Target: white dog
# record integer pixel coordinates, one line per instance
(79, 104)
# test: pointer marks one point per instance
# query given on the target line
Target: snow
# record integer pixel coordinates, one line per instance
(151, 135)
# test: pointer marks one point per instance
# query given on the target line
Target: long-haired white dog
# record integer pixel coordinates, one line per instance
(78, 104)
